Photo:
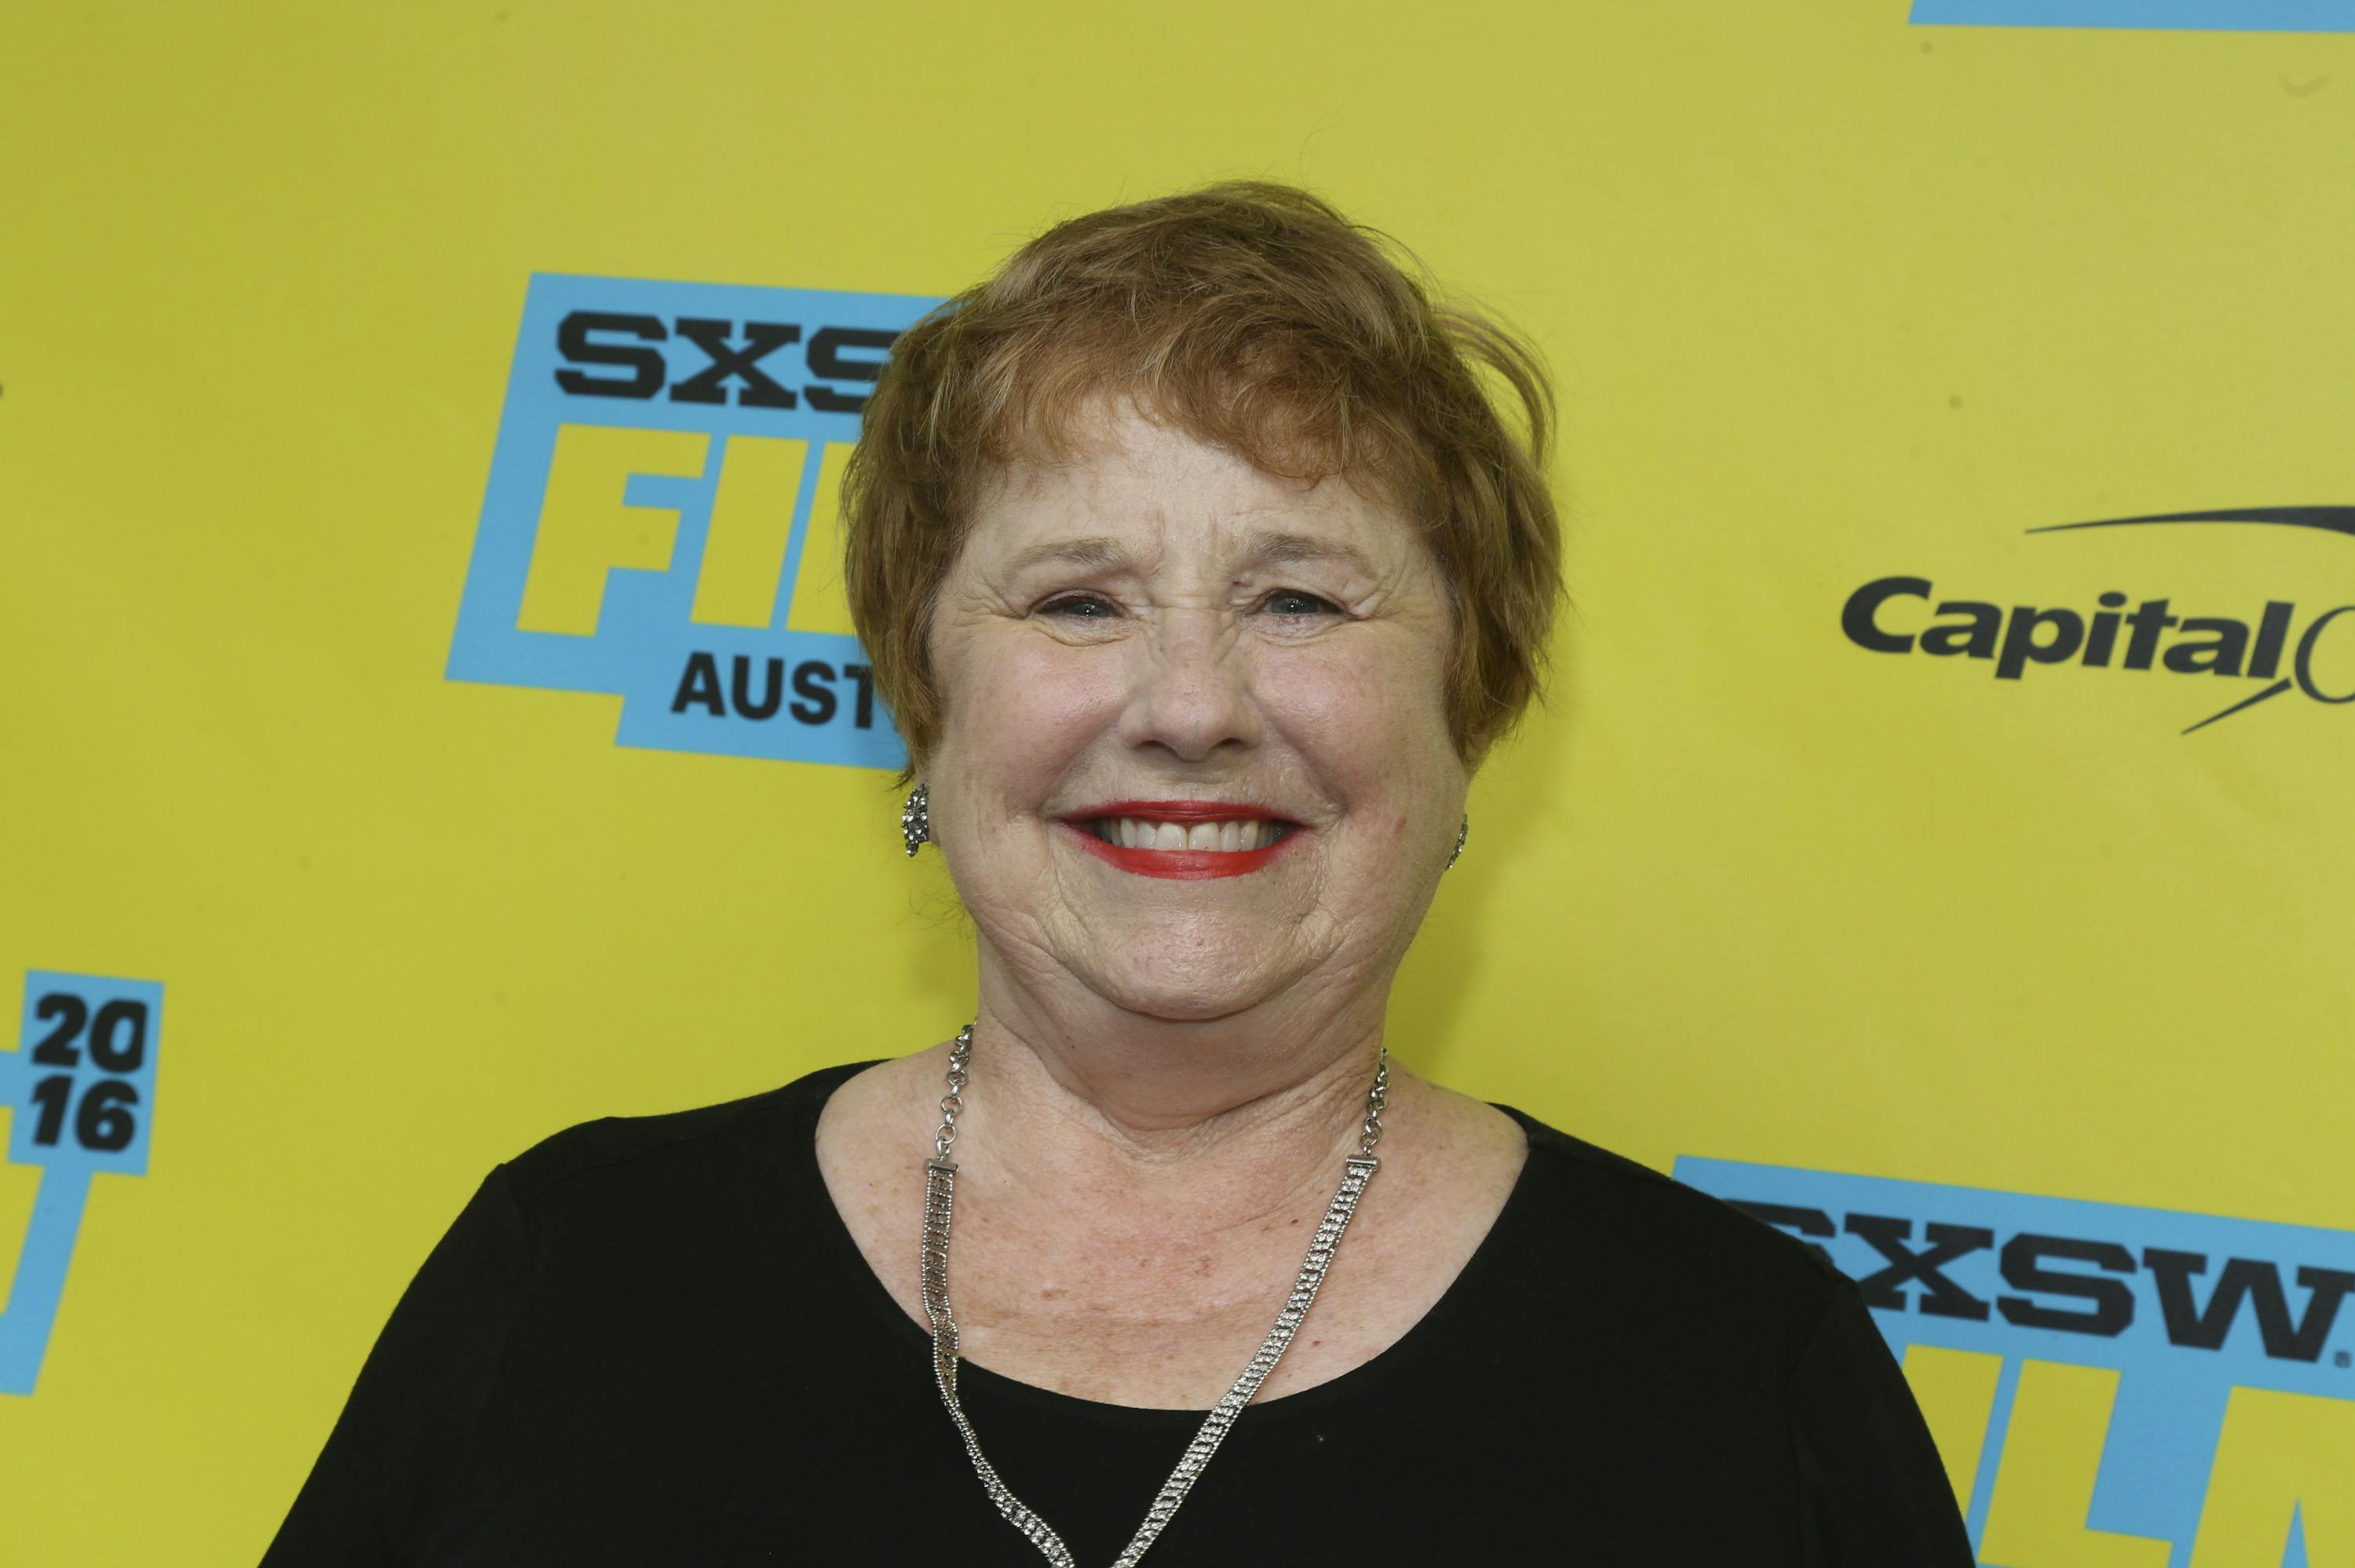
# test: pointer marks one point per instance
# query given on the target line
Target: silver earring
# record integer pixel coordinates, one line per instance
(1453, 855)
(916, 817)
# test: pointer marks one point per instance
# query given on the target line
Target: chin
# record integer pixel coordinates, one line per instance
(1180, 1003)
(1191, 993)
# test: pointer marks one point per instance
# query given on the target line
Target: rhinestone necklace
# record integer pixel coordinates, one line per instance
(939, 1190)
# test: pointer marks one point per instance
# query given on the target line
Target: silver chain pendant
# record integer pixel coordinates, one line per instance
(940, 1199)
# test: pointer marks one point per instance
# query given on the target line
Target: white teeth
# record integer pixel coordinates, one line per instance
(1228, 837)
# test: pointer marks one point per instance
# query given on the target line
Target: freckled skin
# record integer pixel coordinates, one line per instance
(1192, 666)
(1167, 1073)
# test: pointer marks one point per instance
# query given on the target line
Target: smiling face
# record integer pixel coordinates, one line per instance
(1195, 755)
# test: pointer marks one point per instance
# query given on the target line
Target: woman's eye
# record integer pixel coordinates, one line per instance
(1085, 607)
(1292, 601)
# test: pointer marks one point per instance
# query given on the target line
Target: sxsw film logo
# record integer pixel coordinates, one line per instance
(2311, 653)
(2107, 1384)
(661, 519)
(2197, 16)
(80, 1089)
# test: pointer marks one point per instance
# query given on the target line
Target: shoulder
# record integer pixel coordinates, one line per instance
(1686, 1255)
(1721, 1329)
(640, 1151)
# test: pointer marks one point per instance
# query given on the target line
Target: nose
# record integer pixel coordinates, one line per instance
(1191, 692)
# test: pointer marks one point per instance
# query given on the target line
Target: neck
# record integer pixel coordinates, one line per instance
(1233, 1116)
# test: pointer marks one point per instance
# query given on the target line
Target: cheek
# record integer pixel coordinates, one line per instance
(1376, 725)
(1018, 712)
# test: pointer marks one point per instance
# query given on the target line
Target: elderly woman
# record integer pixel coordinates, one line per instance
(1200, 572)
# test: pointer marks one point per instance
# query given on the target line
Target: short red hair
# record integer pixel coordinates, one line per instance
(1254, 317)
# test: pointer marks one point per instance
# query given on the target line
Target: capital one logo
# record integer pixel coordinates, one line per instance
(2106, 1384)
(2285, 648)
(81, 1089)
(661, 520)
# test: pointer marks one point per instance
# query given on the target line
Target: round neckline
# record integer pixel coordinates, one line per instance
(1384, 1364)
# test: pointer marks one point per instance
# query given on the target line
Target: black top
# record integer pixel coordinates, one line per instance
(652, 1342)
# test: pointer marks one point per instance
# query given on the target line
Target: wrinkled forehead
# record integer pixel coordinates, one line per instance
(1121, 473)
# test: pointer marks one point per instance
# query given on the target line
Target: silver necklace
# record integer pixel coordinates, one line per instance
(940, 1192)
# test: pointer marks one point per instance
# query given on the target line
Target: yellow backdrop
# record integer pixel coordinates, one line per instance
(324, 895)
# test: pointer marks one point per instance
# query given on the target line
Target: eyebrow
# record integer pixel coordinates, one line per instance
(1264, 548)
(1289, 549)
(1091, 553)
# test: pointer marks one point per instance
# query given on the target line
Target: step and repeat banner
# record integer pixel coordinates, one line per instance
(432, 718)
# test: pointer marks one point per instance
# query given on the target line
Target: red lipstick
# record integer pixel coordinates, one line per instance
(1177, 811)
(1180, 865)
